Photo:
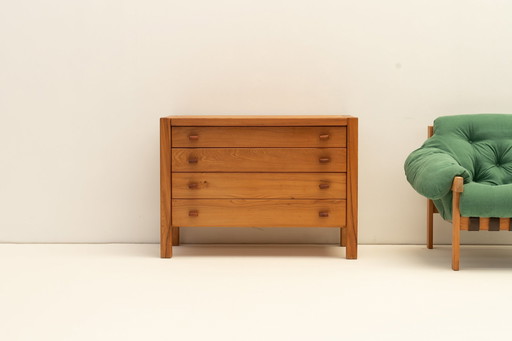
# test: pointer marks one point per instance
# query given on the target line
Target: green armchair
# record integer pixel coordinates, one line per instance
(465, 170)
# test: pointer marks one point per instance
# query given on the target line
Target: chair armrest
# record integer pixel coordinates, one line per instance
(458, 184)
(430, 171)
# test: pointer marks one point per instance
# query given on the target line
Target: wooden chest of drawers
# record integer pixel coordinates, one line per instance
(258, 171)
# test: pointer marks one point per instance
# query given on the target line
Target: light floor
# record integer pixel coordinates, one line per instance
(251, 292)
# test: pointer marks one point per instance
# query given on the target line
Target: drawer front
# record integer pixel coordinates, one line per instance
(259, 185)
(186, 137)
(259, 160)
(258, 213)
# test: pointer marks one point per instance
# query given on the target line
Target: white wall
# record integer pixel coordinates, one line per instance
(83, 83)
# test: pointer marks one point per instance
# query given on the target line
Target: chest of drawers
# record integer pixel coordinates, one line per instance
(258, 171)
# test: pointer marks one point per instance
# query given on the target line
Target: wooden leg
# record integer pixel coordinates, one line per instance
(430, 224)
(175, 236)
(455, 247)
(351, 241)
(457, 189)
(165, 242)
(351, 251)
(343, 236)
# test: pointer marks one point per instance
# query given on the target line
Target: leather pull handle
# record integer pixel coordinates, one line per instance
(192, 159)
(193, 137)
(193, 185)
(323, 214)
(193, 213)
(324, 159)
(324, 136)
(324, 186)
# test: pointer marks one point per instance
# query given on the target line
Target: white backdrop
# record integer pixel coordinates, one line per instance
(83, 83)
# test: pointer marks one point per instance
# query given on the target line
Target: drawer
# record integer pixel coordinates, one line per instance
(259, 185)
(258, 213)
(259, 160)
(259, 137)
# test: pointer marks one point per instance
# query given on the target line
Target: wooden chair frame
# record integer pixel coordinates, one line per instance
(459, 223)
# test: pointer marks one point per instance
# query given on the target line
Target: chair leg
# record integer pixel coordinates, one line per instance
(430, 224)
(455, 246)
(457, 189)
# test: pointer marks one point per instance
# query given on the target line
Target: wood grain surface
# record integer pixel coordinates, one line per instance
(258, 213)
(259, 185)
(352, 189)
(259, 160)
(259, 120)
(259, 137)
(165, 189)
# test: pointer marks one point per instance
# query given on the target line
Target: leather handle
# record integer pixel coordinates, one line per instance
(193, 137)
(193, 185)
(323, 214)
(192, 159)
(324, 136)
(324, 160)
(193, 213)
(324, 186)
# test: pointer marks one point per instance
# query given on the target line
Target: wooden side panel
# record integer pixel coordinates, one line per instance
(259, 160)
(165, 189)
(259, 185)
(288, 137)
(352, 190)
(258, 213)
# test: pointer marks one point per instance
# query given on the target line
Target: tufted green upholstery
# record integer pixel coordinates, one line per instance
(476, 147)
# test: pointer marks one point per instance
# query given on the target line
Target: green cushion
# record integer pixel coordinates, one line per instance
(476, 147)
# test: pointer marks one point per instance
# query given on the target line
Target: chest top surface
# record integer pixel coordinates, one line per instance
(259, 120)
